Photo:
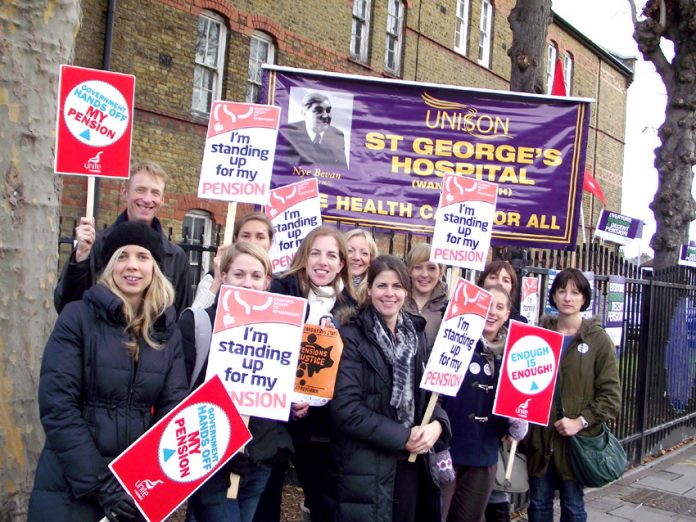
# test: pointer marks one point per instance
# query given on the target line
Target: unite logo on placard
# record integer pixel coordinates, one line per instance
(143, 487)
(93, 164)
(523, 409)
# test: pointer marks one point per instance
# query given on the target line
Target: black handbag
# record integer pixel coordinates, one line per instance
(598, 460)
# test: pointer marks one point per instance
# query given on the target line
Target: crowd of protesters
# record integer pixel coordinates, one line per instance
(122, 355)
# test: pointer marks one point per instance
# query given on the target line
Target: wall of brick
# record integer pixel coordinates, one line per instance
(167, 131)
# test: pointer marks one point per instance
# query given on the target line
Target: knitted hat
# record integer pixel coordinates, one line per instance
(133, 233)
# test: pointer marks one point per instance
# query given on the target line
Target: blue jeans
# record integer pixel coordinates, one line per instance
(541, 493)
(210, 502)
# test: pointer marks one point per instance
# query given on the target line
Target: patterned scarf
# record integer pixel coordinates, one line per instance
(400, 353)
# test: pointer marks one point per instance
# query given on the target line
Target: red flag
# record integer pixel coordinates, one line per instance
(589, 184)
(558, 87)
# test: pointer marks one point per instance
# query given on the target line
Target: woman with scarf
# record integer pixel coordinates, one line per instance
(476, 432)
(113, 366)
(319, 272)
(378, 407)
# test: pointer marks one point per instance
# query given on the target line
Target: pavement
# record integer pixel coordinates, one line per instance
(660, 491)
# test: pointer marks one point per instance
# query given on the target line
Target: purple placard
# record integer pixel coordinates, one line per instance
(618, 228)
(382, 159)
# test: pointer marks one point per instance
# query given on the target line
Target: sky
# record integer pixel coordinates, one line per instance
(608, 23)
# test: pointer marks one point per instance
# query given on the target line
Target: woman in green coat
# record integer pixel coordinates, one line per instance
(590, 392)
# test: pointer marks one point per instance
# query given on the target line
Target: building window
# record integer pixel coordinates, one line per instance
(484, 54)
(551, 66)
(261, 50)
(210, 61)
(461, 30)
(198, 229)
(568, 73)
(360, 33)
(395, 18)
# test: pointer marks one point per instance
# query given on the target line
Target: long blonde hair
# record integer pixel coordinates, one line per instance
(157, 298)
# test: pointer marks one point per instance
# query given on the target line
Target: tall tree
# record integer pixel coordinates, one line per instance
(529, 21)
(673, 205)
(35, 37)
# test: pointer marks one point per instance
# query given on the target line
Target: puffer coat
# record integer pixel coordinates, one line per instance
(95, 401)
(367, 440)
(589, 384)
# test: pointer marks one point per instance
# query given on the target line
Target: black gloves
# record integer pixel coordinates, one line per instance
(240, 464)
(116, 503)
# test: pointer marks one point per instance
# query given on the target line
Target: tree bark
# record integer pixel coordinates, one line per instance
(35, 37)
(673, 205)
(529, 21)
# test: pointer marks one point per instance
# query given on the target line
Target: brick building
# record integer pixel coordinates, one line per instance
(185, 53)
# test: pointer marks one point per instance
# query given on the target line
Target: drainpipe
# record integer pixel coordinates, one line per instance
(106, 65)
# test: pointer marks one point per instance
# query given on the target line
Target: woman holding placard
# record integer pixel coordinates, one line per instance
(590, 394)
(476, 432)
(319, 272)
(428, 295)
(378, 406)
(244, 265)
(112, 367)
(252, 228)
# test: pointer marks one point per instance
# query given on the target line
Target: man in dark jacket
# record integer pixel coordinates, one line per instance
(144, 194)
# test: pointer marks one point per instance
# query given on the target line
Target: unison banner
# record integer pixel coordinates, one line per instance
(380, 149)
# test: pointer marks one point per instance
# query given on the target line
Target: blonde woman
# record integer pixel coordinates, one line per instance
(428, 295)
(112, 367)
(362, 249)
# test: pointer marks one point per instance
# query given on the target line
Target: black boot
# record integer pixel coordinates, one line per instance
(498, 512)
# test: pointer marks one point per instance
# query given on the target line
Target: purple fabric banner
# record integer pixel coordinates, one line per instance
(380, 148)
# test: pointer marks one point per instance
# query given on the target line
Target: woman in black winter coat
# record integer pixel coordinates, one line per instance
(378, 407)
(112, 367)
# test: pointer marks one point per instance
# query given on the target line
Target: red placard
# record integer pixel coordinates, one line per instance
(178, 454)
(94, 122)
(528, 373)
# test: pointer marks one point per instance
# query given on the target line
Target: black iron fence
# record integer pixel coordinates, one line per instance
(657, 356)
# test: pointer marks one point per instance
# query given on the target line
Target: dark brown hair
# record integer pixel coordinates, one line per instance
(581, 283)
(387, 262)
(496, 266)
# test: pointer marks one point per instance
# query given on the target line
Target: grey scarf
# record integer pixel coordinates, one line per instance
(400, 353)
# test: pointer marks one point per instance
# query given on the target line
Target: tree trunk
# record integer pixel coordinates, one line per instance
(35, 37)
(673, 205)
(529, 21)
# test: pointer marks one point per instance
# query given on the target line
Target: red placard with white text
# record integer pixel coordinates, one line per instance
(178, 454)
(94, 122)
(461, 327)
(528, 373)
(255, 348)
(294, 211)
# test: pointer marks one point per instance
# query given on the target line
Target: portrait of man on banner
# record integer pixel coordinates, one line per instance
(319, 128)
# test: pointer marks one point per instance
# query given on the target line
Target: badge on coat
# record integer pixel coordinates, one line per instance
(474, 368)
(487, 369)
(583, 348)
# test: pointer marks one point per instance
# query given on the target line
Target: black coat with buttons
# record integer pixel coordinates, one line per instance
(95, 401)
(476, 432)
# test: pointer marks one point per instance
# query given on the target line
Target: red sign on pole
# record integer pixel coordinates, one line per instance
(94, 122)
(528, 373)
(178, 454)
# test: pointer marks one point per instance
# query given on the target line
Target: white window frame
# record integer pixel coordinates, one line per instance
(199, 102)
(189, 221)
(485, 36)
(568, 63)
(395, 23)
(461, 27)
(254, 74)
(551, 54)
(360, 30)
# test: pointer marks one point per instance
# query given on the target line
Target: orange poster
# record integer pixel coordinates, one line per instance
(320, 353)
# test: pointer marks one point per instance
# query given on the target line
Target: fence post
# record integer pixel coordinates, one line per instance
(643, 368)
